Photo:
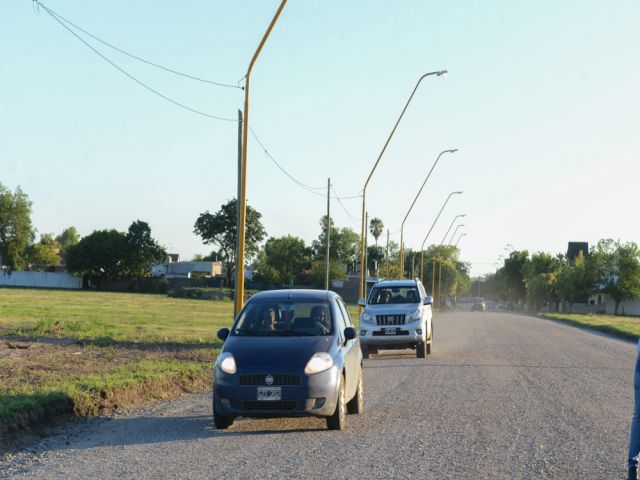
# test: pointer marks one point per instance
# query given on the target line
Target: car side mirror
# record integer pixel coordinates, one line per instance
(362, 302)
(223, 333)
(349, 333)
(428, 300)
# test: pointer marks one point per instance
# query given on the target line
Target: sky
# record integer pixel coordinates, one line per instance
(542, 101)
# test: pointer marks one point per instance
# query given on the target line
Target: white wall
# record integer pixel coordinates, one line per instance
(628, 307)
(40, 280)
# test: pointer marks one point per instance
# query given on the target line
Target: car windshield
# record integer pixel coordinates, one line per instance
(383, 295)
(280, 319)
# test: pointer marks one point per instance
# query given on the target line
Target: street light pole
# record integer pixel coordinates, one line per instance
(411, 207)
(429, 232)
(453, 235)
(461, 235)
(242, 201)
(366, 183)
(449, 229)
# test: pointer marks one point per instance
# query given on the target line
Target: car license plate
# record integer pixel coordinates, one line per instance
(390, 331)
(269, 393)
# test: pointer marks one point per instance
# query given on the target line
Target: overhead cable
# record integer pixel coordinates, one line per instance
(139, 82)
(135, 57)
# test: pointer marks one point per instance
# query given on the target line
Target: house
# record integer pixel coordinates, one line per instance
(178, 269)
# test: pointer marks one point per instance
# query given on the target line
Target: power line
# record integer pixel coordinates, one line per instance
(308, 188)
(135, 57)
(355, 219)
(124, 72)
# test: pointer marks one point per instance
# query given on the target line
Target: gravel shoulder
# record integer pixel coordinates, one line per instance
(503, 396)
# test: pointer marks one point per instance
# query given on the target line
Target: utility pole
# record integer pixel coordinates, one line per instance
(440, 283)
(326, 260)
(386, 256)
(366, 254)
(433, 279)
(237, 277)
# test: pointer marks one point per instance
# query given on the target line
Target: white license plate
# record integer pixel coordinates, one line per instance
(389, 331)
(269, 393)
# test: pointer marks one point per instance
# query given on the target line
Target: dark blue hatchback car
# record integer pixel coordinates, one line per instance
(289, 353)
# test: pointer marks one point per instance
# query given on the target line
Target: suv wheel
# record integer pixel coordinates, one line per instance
(338, 421)
(366, 352)
(421, 350)
(356, 404)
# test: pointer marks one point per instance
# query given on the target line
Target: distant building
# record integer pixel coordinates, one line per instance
(574, 249)
(179, 269)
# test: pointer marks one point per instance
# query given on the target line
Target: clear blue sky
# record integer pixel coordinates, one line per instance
(543, 101)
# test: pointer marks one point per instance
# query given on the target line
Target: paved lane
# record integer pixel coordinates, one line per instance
(502, 396)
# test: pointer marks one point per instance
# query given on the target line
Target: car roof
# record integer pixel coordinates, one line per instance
(295, 294)
(396, 283)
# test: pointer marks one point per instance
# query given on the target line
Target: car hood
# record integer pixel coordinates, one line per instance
(264, 351)
(392, 309)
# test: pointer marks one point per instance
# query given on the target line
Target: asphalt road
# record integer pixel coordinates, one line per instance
(502, 396)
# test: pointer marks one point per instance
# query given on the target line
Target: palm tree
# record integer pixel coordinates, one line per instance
(376, 227)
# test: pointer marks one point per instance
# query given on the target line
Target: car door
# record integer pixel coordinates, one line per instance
(352, 353)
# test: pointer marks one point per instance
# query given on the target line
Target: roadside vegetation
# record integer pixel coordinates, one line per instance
(619, 326)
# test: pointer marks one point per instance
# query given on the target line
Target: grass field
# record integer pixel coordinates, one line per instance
(624, 327)
(94, 348)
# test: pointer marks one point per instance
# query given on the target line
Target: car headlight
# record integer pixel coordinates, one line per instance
(227, 363)
(318, 363)
(367, 317)
(413, 316)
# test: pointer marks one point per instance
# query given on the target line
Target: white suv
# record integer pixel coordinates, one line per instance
(396, 315)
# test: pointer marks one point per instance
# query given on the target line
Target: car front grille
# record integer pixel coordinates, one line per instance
(279, 379)
(396, 319)
(270, 405)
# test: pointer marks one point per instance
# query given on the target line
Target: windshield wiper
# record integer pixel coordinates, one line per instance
(294, 333)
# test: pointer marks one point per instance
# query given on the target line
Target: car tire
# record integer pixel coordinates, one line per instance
(356, 404)
(338, 421)
(366, 352)
(421, 350)
(221, 422)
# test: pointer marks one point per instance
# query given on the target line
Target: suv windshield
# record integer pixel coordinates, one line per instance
(383, 295)
(282, 319)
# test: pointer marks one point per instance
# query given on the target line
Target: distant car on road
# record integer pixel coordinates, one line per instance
(397, 315)
(478, 305)
(289, 353)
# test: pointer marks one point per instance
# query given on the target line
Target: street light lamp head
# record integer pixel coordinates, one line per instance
(453, 150)
(443, 73)
(458, 192)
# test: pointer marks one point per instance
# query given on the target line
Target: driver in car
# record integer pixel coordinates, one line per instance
(320, 320)
(268, 319)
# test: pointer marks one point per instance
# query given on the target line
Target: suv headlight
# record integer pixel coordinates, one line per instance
(367, 317)
(227, 363)
(414, 316)
(318, 363)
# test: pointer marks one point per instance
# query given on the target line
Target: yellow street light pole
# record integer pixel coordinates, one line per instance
(411, 207)
(453, 235)
(242, 201)
(429, 232)
(450, 226)
(363, 230)
(433, 278)
(459, 238)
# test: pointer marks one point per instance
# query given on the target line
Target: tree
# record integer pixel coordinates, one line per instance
(575, 280)
(344, 244)
(316, 275)
(540, 275)
(68, 237)
(220, 229)
(375, 228)
(16, 231)
(512, 275)
(101, 253)
(142, 251)
(375, 259)
(616, 267)
(282, 260)
(44, 253)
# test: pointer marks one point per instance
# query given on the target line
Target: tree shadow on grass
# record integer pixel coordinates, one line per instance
(111, 342)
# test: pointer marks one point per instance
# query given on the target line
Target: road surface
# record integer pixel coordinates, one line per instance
(502, 396)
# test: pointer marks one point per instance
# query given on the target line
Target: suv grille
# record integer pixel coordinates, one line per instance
(278, 379)
(397, 319)
(270, 405)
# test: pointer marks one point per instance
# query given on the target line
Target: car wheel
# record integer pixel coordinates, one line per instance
(366, 352)
(356, 404)
(221, 422)
(338, 421)
(421, 350)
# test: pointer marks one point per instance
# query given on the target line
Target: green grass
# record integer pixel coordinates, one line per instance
(111, 317)
(624, 327)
